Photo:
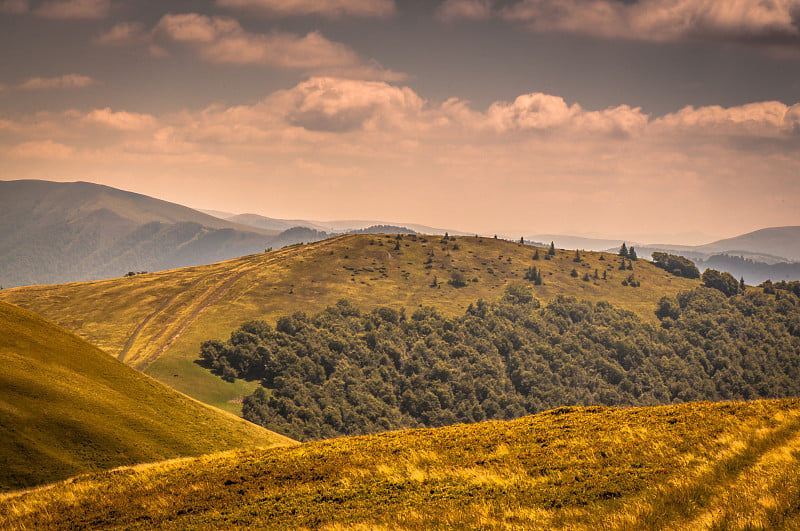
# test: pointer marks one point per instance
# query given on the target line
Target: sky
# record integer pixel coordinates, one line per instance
(660, 121)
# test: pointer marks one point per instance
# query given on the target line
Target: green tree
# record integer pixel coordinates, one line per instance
(623, 250)
(724, 282)
(632, 253)
(577, 256)
(552, 250)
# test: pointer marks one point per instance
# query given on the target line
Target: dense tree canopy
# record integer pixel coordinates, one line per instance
(345, 372)
(677, 265)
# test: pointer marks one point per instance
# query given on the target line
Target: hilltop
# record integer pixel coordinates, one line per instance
(692, 466)
(156, 322)
(773, 241)
(68, 408)
(57, 232)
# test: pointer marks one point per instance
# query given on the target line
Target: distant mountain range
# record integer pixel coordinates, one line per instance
(343, 226)
(54, 232)
(771, 253)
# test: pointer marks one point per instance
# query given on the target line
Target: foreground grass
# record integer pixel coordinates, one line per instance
(67, 408)
(156, 322)
(693, 466)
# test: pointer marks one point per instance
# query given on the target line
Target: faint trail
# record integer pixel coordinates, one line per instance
(129, 343)
(203, 302)
(208, 301)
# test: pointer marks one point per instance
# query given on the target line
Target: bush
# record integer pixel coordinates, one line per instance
(677, 265)
(724, 282)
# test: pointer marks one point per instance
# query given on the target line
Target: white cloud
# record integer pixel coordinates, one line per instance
(769, 23)
(223, 40)
(91, 9)
(764, 119)
(326, 8)
(121, 120)
(464, 9)
(61, 82)
(122, 34)
(15, 7)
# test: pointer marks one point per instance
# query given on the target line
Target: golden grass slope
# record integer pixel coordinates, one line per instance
(67, 408)
(692, 466)
(156, 322)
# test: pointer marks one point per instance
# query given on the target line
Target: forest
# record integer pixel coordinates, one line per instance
(345, 371)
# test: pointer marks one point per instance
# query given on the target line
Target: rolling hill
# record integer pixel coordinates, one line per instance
(691, 466)
(774, 241)
(57, 232)
(68, 408)
(156, 322)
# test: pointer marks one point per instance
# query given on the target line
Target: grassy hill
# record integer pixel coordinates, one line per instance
(67, 408)
(57, 232)
(692, 466)
(156, 322)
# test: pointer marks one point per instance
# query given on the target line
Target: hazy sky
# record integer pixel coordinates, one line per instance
(652, 119)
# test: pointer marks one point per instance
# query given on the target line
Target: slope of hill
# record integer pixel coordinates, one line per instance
(56, 232)
(774, 241)
(68, 408)
(692, 466)
(156, 322)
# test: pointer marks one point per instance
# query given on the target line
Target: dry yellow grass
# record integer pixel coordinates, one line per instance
(67, 407)
(693, 466)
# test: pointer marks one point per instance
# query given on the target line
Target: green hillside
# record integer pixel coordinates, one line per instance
(156, 322)
(693, 466)
(68, 408)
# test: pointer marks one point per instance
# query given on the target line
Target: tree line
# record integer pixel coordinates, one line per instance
(344, 371)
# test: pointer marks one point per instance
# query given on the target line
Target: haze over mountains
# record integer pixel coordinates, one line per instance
(54, 232)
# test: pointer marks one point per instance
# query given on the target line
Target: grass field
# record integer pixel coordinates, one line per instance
(156, 322)
(691, 466)
(67, 408)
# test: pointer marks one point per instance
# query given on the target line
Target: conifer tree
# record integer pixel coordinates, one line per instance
(536, 255)
(623, 251)
(552, 250)
(632, 254)
(577, 256)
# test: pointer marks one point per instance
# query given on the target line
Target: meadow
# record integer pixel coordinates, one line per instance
(691, 466)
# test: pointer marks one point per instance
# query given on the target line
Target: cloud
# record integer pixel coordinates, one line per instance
(61, 82)
(768, 23)
(377, 144)
(122, 34)
(14, 7)
(91, 9)
(326, 8)
(223, 40)
(761, 119)
(45, 150)
(464, 9)
(120, 120)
